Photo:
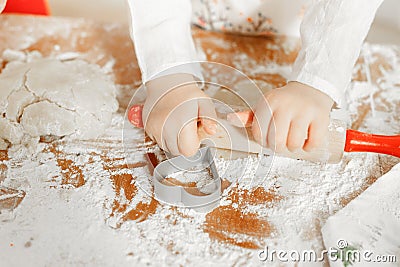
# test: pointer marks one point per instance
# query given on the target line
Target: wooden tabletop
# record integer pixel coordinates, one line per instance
(248, 217)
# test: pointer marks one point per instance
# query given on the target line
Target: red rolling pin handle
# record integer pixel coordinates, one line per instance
(135, 115)
(362, 142)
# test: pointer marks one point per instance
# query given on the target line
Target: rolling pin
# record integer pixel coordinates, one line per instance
(234, 134)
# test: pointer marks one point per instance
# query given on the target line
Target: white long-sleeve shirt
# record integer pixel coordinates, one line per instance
(332, 32)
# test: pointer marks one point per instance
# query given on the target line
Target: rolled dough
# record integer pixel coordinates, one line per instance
(51, 97)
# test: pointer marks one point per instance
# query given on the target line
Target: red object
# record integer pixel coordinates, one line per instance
(363, 142)
(135, 115)
(34, 7)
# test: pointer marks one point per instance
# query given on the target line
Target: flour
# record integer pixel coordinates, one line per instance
(110, 219)
(388, 84)
(170, 236)
(194, 174)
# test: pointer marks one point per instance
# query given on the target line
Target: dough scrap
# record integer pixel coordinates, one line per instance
(50, 97)
(46, 118)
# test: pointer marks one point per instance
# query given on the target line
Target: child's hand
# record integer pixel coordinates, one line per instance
(300, 118)
(173, 106)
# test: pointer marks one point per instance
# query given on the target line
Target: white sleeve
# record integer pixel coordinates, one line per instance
(332, 33)
(161, 33)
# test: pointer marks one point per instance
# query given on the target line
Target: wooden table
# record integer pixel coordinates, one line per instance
(112, 171)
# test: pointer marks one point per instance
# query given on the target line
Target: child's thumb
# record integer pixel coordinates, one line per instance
(208, 116)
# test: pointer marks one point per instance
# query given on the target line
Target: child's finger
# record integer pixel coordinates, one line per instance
(169, 135)
(188, 140)
(262, 119)
(317, 134)
(207, 115)
(298, 132)
(278, 131)
(158, 138)
(241, 118)
(171, 145)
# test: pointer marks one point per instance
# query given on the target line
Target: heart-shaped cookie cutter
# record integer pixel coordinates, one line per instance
(178, 195)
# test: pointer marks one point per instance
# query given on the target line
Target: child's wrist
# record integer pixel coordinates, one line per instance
(167, 82)
(326, 99)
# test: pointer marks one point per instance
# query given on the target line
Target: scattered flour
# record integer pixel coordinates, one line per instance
(74, 226)
(110, 220)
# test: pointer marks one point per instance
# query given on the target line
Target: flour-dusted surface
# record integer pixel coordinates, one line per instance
(80, 203)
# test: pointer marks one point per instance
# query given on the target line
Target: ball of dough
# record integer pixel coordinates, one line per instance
(48, 97)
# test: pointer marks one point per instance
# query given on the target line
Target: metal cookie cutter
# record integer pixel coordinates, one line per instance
(178, 195)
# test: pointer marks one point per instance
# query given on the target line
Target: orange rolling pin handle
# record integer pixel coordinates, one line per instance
(33, 7)
(135, 116)
(363, 142)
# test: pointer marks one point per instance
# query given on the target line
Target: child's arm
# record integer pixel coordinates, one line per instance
(332, 34)
(161, 32)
